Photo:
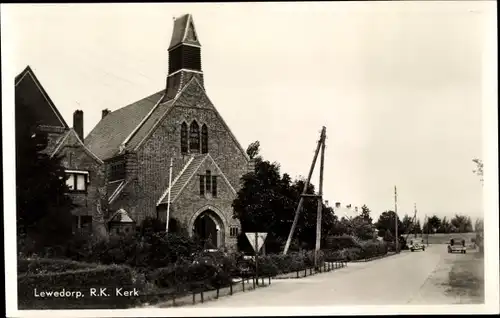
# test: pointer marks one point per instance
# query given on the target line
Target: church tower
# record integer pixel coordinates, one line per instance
(184, 56)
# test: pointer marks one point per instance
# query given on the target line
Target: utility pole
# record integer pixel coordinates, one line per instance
(301, 201)
(396, 216)
(320, 201)
(169, 190)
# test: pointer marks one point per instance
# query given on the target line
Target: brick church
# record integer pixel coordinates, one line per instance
(180, 126)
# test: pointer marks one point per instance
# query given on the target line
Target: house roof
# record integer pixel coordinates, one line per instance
(34, 97)
(184, 32)
(71, 138)
(186, 174)
(107, 136)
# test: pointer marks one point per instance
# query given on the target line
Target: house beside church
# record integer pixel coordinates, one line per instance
(84, 170)
(178, 125)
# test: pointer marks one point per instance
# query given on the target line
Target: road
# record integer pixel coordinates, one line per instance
(407, 278)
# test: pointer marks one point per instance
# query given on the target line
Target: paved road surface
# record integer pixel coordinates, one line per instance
(395, 280)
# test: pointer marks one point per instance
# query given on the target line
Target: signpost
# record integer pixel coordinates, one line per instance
(257, 241)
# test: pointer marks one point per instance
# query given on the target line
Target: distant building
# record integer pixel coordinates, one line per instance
(137, 142)
(348, 211)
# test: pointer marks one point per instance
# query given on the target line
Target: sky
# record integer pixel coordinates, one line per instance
(397, 85)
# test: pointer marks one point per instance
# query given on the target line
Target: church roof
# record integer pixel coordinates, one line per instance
(184, 32)
(129, 122)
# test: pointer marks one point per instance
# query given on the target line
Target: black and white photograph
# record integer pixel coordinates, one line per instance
(235, 159)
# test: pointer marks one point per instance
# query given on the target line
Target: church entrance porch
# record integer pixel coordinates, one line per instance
(207, 228)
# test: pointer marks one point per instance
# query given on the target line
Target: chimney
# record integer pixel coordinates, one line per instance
(337, 205)
(105, 112)
(78, 123)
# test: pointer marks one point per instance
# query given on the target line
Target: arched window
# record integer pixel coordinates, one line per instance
(184, 138)
(204, 139)
(194, 137)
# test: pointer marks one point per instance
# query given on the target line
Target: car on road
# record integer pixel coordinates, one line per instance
(415, 246)
(454, 247)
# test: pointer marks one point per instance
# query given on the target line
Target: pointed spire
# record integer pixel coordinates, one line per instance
(184, 56)
(184, 32)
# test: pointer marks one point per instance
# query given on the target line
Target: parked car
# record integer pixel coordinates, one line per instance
(415, 246)
(453, 247)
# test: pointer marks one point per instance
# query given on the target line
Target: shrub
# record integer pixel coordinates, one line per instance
(46, 265)
(340, 242)
(372, 249)
(206, 272)
(76, 280)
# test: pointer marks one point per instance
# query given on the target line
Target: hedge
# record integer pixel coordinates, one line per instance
(340, 242)
(203, 273)
(45, 265)
(82, 280)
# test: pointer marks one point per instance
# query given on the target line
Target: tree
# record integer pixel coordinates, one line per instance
(445, 226)
(267, 202)
(253, 149)
(432, 224)
(407, 224)
(365, 214)
(361, 228)
(43, 207)
(386, 222)
(479, 169)
(461, 223)
(417, 228)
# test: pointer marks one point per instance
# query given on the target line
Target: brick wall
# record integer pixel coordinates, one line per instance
(190, 202)
(76, 158)
(153, 158)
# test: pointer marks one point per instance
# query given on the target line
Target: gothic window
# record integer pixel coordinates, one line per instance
(202, 185)
(194, 137)
(214, 186)
(184, 138)
(204, 139)
(208, 181)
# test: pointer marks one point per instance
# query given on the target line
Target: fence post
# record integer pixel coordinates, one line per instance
(194, 300)
(243, 281)
(297, 274)
(217, 296)
(231, 288)
(269, 280)
(201, 296)
(253, 282)
(310, 271)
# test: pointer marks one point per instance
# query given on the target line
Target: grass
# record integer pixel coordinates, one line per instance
(466, 278)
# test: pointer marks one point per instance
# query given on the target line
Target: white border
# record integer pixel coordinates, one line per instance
(490, 130)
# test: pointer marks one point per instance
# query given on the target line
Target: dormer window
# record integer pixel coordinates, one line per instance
(77, 181)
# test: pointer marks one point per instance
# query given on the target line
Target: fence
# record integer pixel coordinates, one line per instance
(241, 284)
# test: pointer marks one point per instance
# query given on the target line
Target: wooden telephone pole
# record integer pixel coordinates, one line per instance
(319, 196)
(396, 216)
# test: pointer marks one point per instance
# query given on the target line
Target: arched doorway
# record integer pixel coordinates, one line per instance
(208, 228)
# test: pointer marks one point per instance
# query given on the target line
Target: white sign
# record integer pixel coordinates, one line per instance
(261, 237)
